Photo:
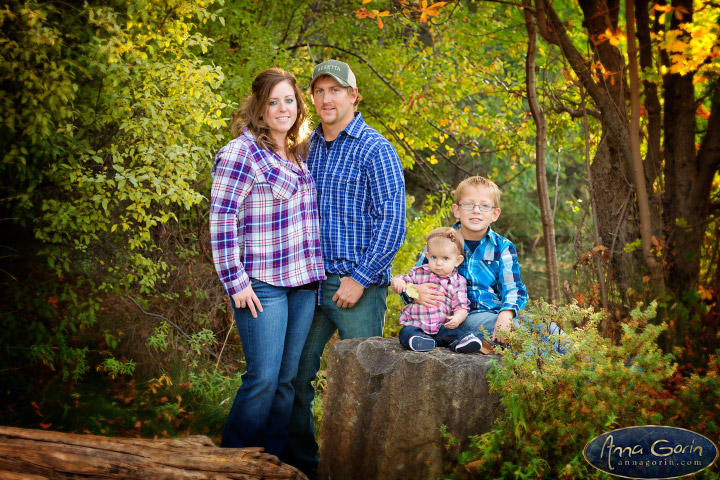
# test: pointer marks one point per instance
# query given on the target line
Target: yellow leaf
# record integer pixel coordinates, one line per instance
(366, 1)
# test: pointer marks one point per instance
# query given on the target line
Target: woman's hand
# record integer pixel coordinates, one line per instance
(246, 298)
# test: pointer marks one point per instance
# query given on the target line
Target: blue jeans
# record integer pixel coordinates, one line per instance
(365, 319)
(272, 343)
(486, 320)
(445, 337)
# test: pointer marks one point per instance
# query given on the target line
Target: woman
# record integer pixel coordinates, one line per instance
(266, 249)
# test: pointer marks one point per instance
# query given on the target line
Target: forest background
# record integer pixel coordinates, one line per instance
(600, 121)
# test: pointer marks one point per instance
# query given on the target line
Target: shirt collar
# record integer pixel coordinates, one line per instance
(426, 268)
(489, 236)
(354, 128)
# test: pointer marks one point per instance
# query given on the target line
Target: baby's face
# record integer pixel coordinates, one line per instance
(443, 256)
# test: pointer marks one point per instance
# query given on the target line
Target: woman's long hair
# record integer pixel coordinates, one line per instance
(250, 114)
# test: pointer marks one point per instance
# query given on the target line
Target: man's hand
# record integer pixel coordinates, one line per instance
(456, 319)
(428, 295)
(502, 325)
(398, 284)
(246, 298)
(349, 293)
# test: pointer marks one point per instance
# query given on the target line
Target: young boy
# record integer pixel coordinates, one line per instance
(495, 290)
(427, 327)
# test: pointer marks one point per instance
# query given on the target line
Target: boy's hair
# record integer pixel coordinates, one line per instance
(478, 181)
(448, 233)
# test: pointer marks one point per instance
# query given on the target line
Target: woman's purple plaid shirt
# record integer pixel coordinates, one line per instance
(263, 218)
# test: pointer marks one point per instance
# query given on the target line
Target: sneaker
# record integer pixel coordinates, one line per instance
(421, 344)
(468, 344)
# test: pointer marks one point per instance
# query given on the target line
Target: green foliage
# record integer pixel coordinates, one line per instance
(114, 367)
(554, 404)
(110, 121)
(159, 339)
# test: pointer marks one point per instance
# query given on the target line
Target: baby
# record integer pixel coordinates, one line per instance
(426, 327)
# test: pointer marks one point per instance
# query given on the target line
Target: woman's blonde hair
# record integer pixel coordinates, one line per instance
(251, 111)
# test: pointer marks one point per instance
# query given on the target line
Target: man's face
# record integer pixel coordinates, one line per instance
(476, 211)
(333, 103)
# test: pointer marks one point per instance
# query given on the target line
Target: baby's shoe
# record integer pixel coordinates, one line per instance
(421, 344)
(468, 344)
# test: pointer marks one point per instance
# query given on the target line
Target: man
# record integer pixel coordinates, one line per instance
(361, 200)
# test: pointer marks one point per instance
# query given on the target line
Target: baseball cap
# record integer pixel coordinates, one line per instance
(340, 71)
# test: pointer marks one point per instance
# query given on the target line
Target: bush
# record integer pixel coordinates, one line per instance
(554, 404)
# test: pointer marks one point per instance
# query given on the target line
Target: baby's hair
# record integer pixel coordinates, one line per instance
(478, 181)
(448, 233)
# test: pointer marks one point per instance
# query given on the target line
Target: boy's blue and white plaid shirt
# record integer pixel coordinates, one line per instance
(361, 200)
(493, 275)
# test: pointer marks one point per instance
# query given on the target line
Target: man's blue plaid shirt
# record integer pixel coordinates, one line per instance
(361, 199)
(492, 272)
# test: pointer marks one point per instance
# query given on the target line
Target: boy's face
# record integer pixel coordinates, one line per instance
(474, 222)
(443, 257)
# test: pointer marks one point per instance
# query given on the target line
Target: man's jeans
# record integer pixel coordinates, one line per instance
(272, 344)
(365, 319)
(486, 320)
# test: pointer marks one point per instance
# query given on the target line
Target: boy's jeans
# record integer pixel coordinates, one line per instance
(476, 320)
(365, 319)
(272, 343)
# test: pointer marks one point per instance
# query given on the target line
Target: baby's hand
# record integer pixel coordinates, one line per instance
(453, 321)
(398, 285)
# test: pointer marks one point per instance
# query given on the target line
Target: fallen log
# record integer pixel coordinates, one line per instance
(43, 455)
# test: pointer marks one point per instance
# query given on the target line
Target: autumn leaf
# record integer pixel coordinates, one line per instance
(705, 293)
(45, 426)
(702, 112)
(36, 409)
(381, 14)
(429, 11)
(363, 13)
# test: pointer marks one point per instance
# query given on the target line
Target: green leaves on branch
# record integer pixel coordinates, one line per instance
(111, 119)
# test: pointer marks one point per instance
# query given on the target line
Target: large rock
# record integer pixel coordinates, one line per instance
(384, 406)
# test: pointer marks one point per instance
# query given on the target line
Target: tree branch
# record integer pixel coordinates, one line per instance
(348, 52)
(182, 332)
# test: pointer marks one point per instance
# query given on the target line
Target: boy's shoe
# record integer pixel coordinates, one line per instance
(421, 344)
(468, 344)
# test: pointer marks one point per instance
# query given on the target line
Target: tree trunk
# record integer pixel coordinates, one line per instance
(655, 267)
(546, 213)
(40, 454)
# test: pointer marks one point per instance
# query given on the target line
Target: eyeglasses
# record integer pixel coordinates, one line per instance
(480, 206)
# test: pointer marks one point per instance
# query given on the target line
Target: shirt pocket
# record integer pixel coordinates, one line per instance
(283, 184)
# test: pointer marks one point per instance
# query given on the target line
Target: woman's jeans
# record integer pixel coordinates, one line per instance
(272, 344)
